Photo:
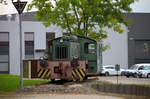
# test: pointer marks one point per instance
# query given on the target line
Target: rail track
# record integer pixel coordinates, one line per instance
(67, 83)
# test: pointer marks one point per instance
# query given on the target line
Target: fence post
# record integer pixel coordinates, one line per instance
(29, 69)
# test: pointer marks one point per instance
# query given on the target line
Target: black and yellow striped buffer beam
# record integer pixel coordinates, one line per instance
(44, 73)
(78, 74)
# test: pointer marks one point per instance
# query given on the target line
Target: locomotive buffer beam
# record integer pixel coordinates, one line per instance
(78, 74)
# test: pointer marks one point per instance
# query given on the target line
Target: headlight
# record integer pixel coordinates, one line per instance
(41, 58)
(45, 56)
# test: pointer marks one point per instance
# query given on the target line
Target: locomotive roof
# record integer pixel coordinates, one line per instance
(74, 35)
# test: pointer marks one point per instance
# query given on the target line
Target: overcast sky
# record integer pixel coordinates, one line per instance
(142, 6)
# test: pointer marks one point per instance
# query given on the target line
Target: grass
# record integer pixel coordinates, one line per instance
(11, 83)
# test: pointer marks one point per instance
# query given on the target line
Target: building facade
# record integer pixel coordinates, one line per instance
(125, 49)
(139, 38)
(33, 41)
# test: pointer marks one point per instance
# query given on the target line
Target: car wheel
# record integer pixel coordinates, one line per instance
(148, 75)
(128, 76)
(135, 75)
(122, 74)
(107, 74)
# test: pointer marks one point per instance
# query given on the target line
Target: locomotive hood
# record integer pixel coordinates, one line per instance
(72, 38)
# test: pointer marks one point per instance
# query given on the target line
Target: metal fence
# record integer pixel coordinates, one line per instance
(30, 69)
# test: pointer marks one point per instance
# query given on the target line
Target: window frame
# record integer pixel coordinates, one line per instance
(32, 45)
(60, 50)
(6, 43)
(86, 48)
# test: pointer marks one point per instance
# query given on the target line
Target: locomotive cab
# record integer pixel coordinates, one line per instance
(64, 49)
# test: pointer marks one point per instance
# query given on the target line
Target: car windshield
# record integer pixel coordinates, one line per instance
(133, 67)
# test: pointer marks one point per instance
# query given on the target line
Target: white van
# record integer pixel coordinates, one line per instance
(133, 71)
(145, 72)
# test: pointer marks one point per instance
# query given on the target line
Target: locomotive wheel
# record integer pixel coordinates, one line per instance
(52, 80)
(86, 77)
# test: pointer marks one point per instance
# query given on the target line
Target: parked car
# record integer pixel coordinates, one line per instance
(133, 70)
(110, 70)
(145, 72)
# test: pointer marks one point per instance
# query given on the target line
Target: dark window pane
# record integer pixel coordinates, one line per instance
(61, 52)
(29, 49)
(86, 47)
(4, 48)
(4, 56)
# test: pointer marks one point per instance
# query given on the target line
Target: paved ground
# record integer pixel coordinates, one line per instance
(125, 80)
(57, 96)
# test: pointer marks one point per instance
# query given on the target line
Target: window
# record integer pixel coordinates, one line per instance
(110, 68)
(141, 68)
(89, 48)
(4, 52)
(61, 52)
(146, 68)
(29, 45)
(133, 67)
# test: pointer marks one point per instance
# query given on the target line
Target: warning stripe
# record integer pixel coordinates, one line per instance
(84, 70)
(48, 74)
(78, 74)
(40, 72)
(73, 75)
(82, 73)
(44, 73)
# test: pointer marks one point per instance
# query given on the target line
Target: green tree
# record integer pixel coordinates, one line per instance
(83, 17)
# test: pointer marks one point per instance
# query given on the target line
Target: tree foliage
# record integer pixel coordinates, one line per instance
(83, 17)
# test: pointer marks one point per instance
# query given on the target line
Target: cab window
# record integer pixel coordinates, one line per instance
(89, 48)
(61, 52)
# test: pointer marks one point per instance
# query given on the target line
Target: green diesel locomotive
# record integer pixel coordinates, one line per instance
(70, 57)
